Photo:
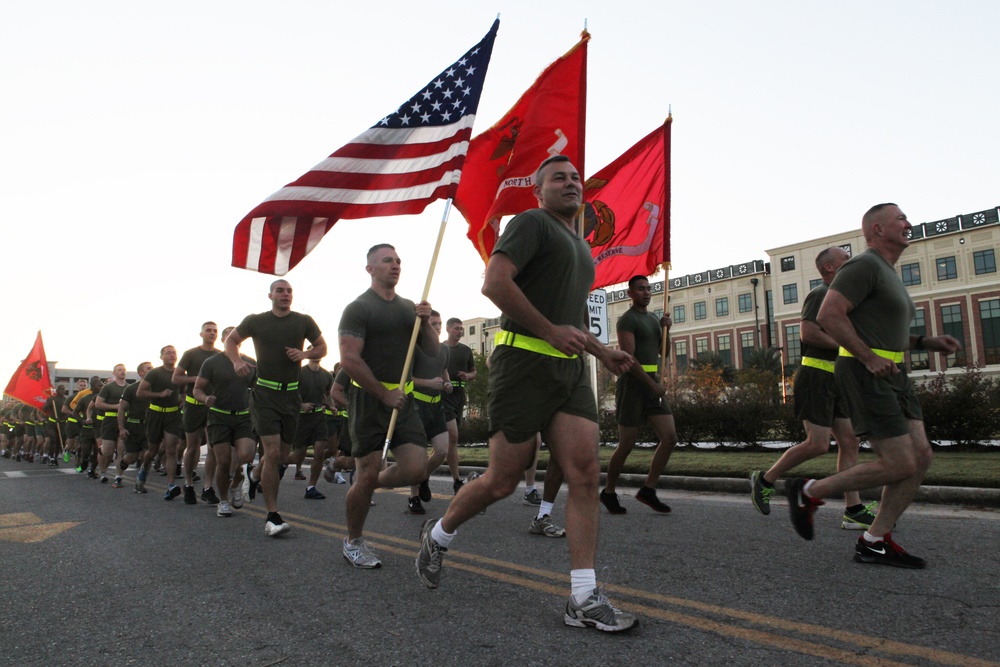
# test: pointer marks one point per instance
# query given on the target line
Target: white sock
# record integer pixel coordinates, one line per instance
(583, 582)
(871, 539)
(528, 489)
(310, 487)
(442, 538)
(544, 508)
(807, 486)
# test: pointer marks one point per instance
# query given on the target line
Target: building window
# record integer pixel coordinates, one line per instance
(746, 303)
(847, 248)
(919, 359)
(722, 306)
(946, 268)
(985, 261)
(472, 330)
(790, 293)
(700, 348)
(989, 313)
(813, 284)
(679, 315)
(746, 345)
(724, 346)
(951, 325)
(681, 354)
(793, 344)
(788, 263)
(911, 274)
(699, 310)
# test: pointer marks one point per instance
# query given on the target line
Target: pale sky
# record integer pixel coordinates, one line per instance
(135, 136)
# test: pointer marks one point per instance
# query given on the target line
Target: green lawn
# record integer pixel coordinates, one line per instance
(974, 469)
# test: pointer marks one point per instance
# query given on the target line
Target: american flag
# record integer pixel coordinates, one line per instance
(408, 159)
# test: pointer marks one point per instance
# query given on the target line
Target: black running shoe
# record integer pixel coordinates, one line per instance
(610, 501)
(189, 497)
(251, 483)
(425, 491)
(647, 496)
(208, 495)
(801, 507)
(415, 506)
(886, 552)
(312, 493)
(457, 485)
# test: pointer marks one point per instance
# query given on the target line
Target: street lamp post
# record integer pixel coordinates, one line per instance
(756, 317)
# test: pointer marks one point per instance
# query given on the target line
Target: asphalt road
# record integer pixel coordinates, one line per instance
(94, 575)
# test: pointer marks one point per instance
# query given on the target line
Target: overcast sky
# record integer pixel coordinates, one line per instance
(135, 136)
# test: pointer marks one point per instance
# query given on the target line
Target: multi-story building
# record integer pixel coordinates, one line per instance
(949, 269)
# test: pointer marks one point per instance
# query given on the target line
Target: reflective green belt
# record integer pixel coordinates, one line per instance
(233, 413)
(73, 420)
(313, 411)
(458, 384)
(131, 420)
(52, 420)
(821, 364)
(407, 389)
(27, 423)
(536, 345)
(894, 357)
(342, 413)
(425, 398)
(192, 400)
(112, 413)
(100, 418)
(649, 368)
(328, 412)
(160, 408)
(278, 386)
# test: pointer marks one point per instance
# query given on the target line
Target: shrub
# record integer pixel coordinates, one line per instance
(964, 408)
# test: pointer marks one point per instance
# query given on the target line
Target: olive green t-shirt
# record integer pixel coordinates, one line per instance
(427, 368)
(271, 335)
(137, 407)
(159, 379)
(459, 359)
(645, 327)
(111, 393)
(810, 310)
(314, 385)
(231, 391)
(192, 360)
(883, 309)
(386, 327)
(555, 269)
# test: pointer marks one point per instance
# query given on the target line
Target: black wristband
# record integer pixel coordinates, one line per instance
(920, 343)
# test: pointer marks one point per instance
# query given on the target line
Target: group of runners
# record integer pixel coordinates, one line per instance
(855, 327)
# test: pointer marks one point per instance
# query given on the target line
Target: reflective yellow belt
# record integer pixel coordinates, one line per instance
(111, 413)
(233, 413)
(895, 357)
(160, 408)
(821, 364)
(192, 400)
(71, 419)
(278, 386)
(407, 389)
(342, 413)
(52, 420)
(649, 368)
(328, 412)
(100, 418)
(132, 420)
(529, 343)
(426, 398)
(459, 384)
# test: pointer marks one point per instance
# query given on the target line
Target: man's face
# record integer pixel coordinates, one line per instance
(385, 267)
(81, 385)
(281, 295)
(894, 227)
(169, 355)
(210, 333)
(435, 322)
(640, 293)
(119, 372)
(456, 331)
(837, 259)
(145, 368)
(61, 390)
(561, 190)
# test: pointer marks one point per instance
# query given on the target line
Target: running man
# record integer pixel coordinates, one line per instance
(278, 335)
(374, 336)
(132, 429)
(315, 383)
(163, 421)
(868, 311)
(818, 405)
(461, 371)
(107, 403)
(639, 398)
(540, 276)
(430, 384)
(196, 413)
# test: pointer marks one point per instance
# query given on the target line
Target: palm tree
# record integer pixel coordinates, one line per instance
(767, 360)
(716, 361)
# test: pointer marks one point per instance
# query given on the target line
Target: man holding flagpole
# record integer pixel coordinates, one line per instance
(540, 275)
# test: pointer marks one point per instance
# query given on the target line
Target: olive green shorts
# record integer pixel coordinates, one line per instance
(879, 407)
(816, 397)
(369, 424)
(526, 389)
(634, 402)
(275, 412)
(227, 429)
(159, 423)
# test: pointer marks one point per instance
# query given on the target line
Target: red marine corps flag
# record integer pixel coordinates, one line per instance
(405, 161)
(627, 211)
(31, 383)
(549, 119)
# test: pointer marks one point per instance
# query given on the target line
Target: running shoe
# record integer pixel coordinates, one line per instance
(209, 496)
(760, 495)
(249, 485)
(415, 506)
(425, 491)
(223, 509)
(647, 496)
(312, 493)
(236, 496)
(357, 553)
(597, 612)
(117, 484)
(274, 526)
(610, 501)
(172, 492)
(189, 496)
(104, 479)
(457, 484)
(532, 498)
(886, 552)
(329, 474)
(544, 526)
(79, 468)
(65, 457)
(802, 508)
(338, 478)
(299, 475)
(140, 485)
(862, 519)
(429, 557)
